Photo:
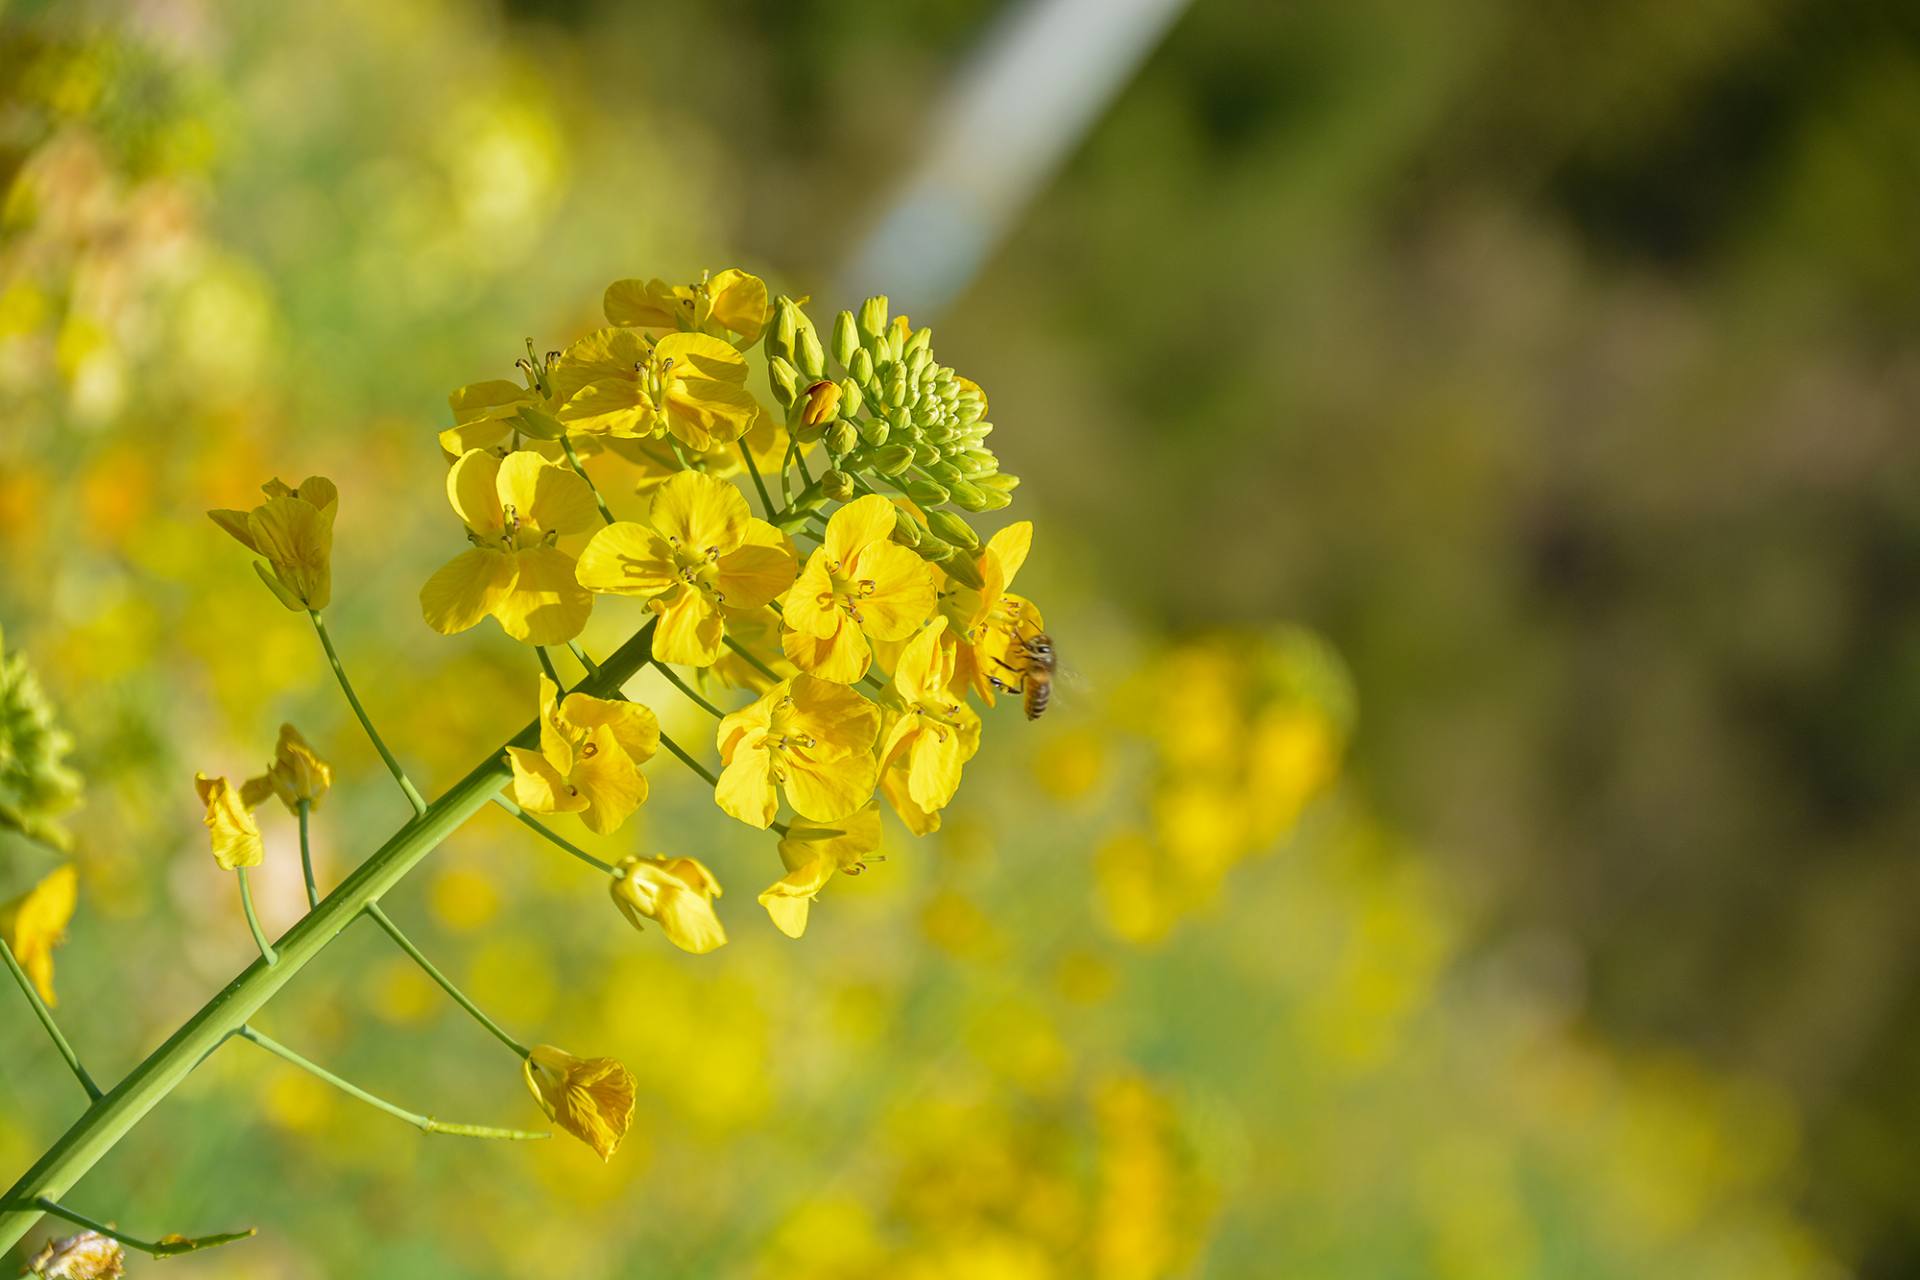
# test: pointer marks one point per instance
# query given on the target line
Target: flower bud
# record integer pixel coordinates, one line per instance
(784, 379)
(845, 340)
(906, 530)
(920, 340)
(896, 387)
(943, 471)
(841, 437)
(975, 463)
(875, 430)
(873, 316)
(952, 528)
(837, 485)
(891, 460)
(811, 360)
(991, 499)
(850, 397)
(860, 368)
(926, 494)
(821, 404)
(1001, 480)
(967, 495)
(785, 327)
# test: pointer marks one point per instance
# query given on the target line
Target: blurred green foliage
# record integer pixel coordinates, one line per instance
(1550, 359)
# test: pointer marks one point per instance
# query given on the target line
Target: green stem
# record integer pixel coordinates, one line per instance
(346, 686)
(46, 1020)
(786, 476)
(581, 471)
(550, 834)
(104, 1124)
(425, 1124)
(752, 661)
(766, 499)
(580, 655)
(674, 679)
(172, 1247)
(688, 760)
(306, 856)
(267, 952)
(379, 916)
(546, 665)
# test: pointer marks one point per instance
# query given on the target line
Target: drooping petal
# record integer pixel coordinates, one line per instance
(235, 523)
(298, 542)
(546, 604)
(627, 559)
(545, 496)
(1008, 548)
(642, 304)
(740, 302)
(789, 899)
(236, 837)
(591, 1098)
(934, 760)
(856, 526)
(36, 922)
(466, 589)
(893, 785)
(690, 629)
(473, 489)
(700, 514)
(494, 398)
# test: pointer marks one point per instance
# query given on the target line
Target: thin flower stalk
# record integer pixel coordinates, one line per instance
(45, 1015)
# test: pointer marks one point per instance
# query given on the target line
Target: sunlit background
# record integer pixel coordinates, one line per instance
(1472, 456)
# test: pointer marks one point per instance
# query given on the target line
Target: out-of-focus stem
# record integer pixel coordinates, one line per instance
(548, 833)
(171, 1247)
(306, 856)
(45, 1015)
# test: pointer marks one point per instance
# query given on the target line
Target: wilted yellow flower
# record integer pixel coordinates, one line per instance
(34, 923)
(296, 775)
(591, 1098)
(931, 736)
(616, 382)
(813, 852)
(236, 837)
(732, 301)
(86, 1256)
(591, 750)
(701, 551)
(811, 737)
(675, 893)
(860, 580)
(293, 531)
(516, 508)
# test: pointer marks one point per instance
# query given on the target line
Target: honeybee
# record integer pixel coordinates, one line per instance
(1035, 670)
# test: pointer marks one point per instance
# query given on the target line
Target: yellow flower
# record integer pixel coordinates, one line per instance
(700, 550)
(34, 923)
(591, 1098)
(858, 581)
(494, 414)
(591, 750)
(931, 736)
(990, 624)
(516, 508)
(808, 736)
(732, 300)
(813, 851)
(297, 774)
(616, 382)
(236, 837)
(293, 531)
(675, 893)
(86, 1256)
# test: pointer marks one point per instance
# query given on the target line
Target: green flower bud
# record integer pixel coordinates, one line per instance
(992, 499)
(975, 463)
(967, 496)
(1000, 480)
(845, 340)
(926, 494)
(841, 437)
(784, 379)
(922, 340)
(837, 485)
(874, 430)
(850, 397)
(961, 567)
(898, 418)
(891, 460)
(896, 345)
(917, 361)
(808, 357)
(953, 529)
(943, 471)
(873, 316)
(537, 423)
(896, 387)
(781, 333)
(925, 454)
(906, 530)
(860, 368)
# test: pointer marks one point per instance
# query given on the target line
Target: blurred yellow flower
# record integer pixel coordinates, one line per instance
(931, 736)
(701, 551)
(591, 750)
(860, 580)
(675, 893)
(293, 531)
(516, 508)
(34, 923)
(811, 737)
(616, 382)
(813, 851)
(86, 1256)
(732, 301)
(236, 837)
(591, 1098)
(297, 775)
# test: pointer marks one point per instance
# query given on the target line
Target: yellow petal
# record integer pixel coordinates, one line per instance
(474, 491)
(842, 657)
(493, 398)
(837, 718)
(856, 526)
(754, 718)
(811, 608)
(832, 788)
(746, 788)
(690, 630)
(298, 541)
(545, 496)
(921, 673)
(705, 412)
(236, 837)
(699, 355)
(740, 302)
(547, 604)
(235, 523)
(935, 758)
(591, 1098)
(845, 842)
(758, 570)
(466, 589)
(538, 787)
(613, 407)
(893, 785)
(635, 303)
(606, 777)
(634, 727)
(699, 514)
(789, 898)
(627, 559)
(604, 353)
(899, 595)
(36, 922)
(1008, 548)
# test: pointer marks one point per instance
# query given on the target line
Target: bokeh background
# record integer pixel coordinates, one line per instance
(1472, 458)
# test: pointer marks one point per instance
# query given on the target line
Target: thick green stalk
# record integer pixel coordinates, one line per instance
(46, 1020)
(107, 1121)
